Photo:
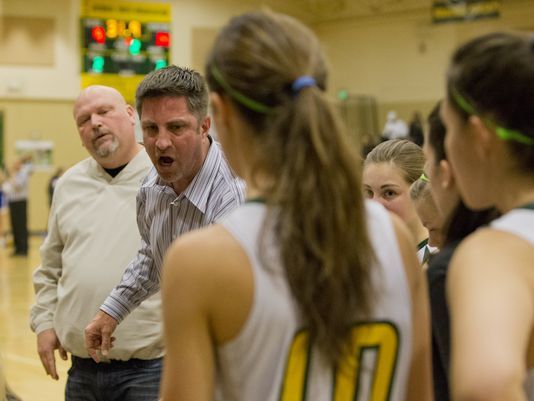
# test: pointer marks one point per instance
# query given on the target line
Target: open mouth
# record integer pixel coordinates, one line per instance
(165, 161)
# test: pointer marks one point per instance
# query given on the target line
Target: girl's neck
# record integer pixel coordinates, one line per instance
(515, 193)
(419, 232)
(254, 193)
(258, 185)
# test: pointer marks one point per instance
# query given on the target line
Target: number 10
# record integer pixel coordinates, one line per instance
(380, 338)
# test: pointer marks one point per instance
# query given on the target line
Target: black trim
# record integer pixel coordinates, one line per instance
(422, 244)
(258, 199)
(529, 206)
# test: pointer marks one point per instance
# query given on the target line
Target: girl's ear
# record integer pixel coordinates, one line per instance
(215, 104)
(222, 112)
(445, 174)
(483, 137)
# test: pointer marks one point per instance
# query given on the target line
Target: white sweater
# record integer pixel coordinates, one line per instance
(92, 235)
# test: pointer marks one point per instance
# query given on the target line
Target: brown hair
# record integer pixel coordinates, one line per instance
(495, 74)
(318, 214)
(175, 81)
(462, 221)
(405, 155)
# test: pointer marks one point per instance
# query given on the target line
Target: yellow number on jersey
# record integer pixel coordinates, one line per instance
(381, 337)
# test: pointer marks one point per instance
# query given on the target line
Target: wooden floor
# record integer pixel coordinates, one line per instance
(22, 367)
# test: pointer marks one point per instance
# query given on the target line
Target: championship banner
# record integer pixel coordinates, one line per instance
(122, 41)
(464, 10)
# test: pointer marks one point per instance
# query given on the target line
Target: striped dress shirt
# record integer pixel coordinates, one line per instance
(162, 216)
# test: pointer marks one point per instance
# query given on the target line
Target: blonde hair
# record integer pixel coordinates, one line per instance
(420, 190)
(318, 214)
(405, 155)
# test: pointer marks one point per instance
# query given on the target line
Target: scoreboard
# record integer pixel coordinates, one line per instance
(124, 47)
(122, 41)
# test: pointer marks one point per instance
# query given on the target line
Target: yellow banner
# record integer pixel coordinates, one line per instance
(126, 85)
(448, 10)
(126, 10)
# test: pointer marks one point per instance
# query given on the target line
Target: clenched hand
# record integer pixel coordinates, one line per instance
(98, 335)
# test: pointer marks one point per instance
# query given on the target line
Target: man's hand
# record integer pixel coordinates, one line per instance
(98, 335)
(47, 343)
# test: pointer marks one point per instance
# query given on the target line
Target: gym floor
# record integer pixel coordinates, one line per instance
(18, 351)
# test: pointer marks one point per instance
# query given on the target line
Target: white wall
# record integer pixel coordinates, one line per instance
(59, 81)
(403, 57)
(200, 14)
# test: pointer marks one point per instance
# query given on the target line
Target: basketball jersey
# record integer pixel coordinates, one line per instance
(423, 251)
(519, 222)
(271, 358)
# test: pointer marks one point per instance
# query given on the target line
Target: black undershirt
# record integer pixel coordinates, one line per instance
(114, 171)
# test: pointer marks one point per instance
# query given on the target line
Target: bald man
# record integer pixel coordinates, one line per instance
(92, 235)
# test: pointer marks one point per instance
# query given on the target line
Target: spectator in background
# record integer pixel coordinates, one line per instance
(3, 205)
(52, 184)
(395, 128)
(16, 187)
(415, 132)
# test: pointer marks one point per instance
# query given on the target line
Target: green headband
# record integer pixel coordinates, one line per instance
(238, 96)
(506, 134)
(424, 178)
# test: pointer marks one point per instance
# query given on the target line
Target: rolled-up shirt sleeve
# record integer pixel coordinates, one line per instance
(137, 284)
(141, 278)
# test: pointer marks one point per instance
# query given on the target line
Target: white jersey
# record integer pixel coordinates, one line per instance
(270, 360)
(519, 222)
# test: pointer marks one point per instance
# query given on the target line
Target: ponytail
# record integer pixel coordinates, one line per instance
(315, 204)
(320, 222)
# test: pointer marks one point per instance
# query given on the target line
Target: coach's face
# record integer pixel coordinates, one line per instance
(175, 139)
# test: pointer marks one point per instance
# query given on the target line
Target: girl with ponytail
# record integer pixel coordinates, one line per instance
(306, 290)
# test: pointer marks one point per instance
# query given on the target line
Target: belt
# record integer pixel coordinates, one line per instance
(89, 363)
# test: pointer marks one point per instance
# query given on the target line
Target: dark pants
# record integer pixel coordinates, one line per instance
(132, 380)
(19, 225)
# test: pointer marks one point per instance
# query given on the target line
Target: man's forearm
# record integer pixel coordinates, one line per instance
(138, 283)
